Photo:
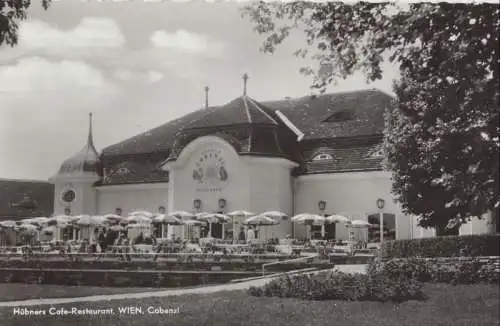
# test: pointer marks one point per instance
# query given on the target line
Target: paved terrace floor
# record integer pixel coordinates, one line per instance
(166, 293)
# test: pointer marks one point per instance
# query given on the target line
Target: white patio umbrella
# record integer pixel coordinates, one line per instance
(139, 219)
(239, 214)
(337, 219)
(27, 228)
(88, 220)
(167, 219)
(260, 220)
(142, 213)
(274, 214)
(359, 224)
(308, 219)
(113, 218)
(213, 218)
(61, 220)
(182, 214)
(8, 224)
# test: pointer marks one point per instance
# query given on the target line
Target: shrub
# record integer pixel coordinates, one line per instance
(448, 246)
(439, 270)
(377, 286)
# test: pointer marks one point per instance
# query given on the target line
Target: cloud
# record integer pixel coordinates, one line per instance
(185, 41)
(90, 34)
(34, 74)
(149, 77)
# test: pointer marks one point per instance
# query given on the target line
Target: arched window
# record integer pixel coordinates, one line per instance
(322, 157)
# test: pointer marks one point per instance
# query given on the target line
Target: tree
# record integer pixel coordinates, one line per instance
(11, 13)
(441, 138)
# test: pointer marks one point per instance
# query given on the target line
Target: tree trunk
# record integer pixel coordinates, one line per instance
(493, 222)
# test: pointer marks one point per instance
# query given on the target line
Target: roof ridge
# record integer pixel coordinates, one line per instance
(261, 110)
(247, 111)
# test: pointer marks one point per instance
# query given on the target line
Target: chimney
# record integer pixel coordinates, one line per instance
(206, 96)
(245, 80)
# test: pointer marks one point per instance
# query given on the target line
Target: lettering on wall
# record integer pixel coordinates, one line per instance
(210, 172)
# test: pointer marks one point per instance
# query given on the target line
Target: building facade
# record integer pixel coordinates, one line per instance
(315, 154)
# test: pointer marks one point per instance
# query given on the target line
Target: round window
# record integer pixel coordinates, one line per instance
(69, 196)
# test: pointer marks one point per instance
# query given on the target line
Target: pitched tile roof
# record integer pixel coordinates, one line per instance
(311, 114)
(25, 198)
(306, 113)
(330, 117)
(345, 158)
(242, 110)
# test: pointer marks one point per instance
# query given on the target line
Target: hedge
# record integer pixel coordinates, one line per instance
(376, 286)
(470, 270)
(447, 246)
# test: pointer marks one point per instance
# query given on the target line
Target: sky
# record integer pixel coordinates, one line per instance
(135, 65)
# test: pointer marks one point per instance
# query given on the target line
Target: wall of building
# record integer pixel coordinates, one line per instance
(271, 190)
(253, 184)
(352, 194)
(132, 197)
(85, 195)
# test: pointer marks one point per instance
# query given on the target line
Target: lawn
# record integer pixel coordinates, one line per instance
(447, 305)
(18, 291)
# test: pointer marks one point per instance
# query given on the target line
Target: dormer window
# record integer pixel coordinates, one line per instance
(340, 116)
(322, 157)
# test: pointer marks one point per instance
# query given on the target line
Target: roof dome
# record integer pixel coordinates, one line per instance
(86, 160)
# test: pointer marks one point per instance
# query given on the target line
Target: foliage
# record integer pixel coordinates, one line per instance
(439, 270)
(442, 133)
(449, 246)
(11, 13)
(376, 286)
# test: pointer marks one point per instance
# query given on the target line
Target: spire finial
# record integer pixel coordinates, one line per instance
(245, 80)
(91, 138)
(206, 96)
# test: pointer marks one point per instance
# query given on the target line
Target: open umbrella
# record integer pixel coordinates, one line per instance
(241, 213)
(142, 213)
(359, 224)
(237, 215)
(113, 218)
(61, 220)
(139, 219)
(182, 214)
(337, 219)
(214, 218)
(274, 214)
(88, 220)
(7, 224)
(167, 219)
(260, 220)
(30, 228)
(308, 219)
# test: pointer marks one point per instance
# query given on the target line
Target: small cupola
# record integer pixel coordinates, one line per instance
(86, 162)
